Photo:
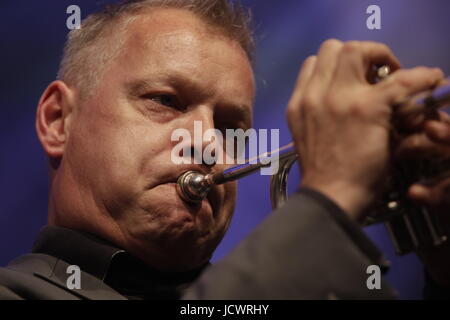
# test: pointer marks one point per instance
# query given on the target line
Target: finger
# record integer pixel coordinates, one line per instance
(444, 82)
(302, 79)
(356, 59)
(327, 59)
(402, 84)
(431, 195)
(444, 117)
(438, 131)
(419, 145)
(411, 116)
(420, 194)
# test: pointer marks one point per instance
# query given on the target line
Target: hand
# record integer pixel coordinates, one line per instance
(340, 121)
(434, 141)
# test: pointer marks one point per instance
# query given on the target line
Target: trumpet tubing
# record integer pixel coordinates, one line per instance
(410, 227)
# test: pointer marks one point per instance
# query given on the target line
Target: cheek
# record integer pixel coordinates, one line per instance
(230, 191)
(112, 152)
(229, 202)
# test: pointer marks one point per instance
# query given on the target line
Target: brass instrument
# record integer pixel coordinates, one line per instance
(410, 227)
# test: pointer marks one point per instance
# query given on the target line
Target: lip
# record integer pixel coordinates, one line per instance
(213, 197)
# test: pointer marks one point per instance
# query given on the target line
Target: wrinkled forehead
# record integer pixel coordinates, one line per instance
(175, 29)
(177, 42)
(154, 22)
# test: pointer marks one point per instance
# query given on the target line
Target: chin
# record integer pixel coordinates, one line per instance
(175, 254)
(174, 242)
(170, 234)
(165, 198)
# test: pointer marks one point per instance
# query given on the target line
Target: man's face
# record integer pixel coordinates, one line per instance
(173, 71)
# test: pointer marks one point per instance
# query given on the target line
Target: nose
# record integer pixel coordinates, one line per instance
(206, 144)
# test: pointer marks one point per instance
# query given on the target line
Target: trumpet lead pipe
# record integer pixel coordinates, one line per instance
(252, 164)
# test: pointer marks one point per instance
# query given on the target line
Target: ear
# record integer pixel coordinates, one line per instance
(52, 118)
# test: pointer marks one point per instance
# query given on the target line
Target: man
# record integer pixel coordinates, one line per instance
(135, 73)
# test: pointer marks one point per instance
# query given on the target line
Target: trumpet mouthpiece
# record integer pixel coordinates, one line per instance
(193, 186)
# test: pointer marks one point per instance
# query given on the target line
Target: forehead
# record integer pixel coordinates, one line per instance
(175, 41)
(154, 22)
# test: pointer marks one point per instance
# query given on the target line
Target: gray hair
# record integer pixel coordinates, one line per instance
(101, 36)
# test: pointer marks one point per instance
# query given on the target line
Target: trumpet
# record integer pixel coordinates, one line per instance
(410, 227)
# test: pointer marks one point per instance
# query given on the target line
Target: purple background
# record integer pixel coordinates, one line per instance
(32, 34)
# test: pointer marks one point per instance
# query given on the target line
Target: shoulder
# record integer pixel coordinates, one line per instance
(8, 294)
(24, 277)
(44, 277)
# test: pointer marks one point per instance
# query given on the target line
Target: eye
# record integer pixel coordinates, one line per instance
(233, 126)
(167, 100)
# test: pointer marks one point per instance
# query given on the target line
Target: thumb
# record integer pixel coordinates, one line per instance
(421, 194)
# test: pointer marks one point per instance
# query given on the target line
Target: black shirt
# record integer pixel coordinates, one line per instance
(307, 249)
(114, 266)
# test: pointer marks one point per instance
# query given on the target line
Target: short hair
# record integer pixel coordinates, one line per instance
(101, 36)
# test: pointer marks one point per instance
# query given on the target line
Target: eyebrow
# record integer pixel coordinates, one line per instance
(138, 86)
(178, 81)
(244, 112)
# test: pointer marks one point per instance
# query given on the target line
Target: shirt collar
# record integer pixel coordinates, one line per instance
(112, 265)
(91, 254)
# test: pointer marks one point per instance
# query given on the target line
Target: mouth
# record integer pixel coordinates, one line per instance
(212, 199)
(206, 207)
